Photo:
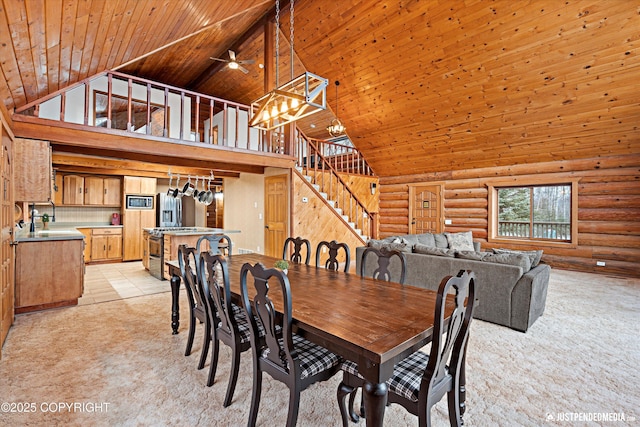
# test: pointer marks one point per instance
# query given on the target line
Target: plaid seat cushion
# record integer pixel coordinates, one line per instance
(406, 377)
(313, 358)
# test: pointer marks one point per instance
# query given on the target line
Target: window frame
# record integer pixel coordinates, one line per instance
(494, 185)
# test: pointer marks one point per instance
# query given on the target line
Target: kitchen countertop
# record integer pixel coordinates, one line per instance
(195, 231)
(41, 235)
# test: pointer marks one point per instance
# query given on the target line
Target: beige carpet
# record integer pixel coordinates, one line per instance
(580, 358)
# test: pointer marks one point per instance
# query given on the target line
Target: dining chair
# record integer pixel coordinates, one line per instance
(384, 258)
(197, 310)
(332, 262)
(296, 256)
(285, 356)
(218, 244)
(232, 327)
(421, 380)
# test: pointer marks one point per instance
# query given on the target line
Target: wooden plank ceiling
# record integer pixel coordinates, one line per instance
(426, 86)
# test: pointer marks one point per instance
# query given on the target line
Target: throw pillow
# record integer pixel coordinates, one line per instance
(534, 256)
(477, 256)
(518, 260)
(429, 250)
(426, 239)
(441, 241)
(460, 241)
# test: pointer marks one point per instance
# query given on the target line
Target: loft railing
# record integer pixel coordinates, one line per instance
(324, 174)
(537, 230)
(343, 158)
(119, 102)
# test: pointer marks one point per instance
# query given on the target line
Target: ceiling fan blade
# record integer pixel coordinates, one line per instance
(232, 55)
(218, 59)
(244, 70)
(247, 61)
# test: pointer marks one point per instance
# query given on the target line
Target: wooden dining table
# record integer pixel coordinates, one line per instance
(371, 322)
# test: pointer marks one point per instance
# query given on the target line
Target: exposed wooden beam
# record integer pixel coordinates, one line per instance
(109, 166)
(148, 148)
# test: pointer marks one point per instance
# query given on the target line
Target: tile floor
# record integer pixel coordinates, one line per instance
(109, 282)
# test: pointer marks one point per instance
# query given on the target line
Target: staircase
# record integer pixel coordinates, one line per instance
(321, 173)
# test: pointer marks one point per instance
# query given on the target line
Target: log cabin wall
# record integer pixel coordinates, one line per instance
(608, 209)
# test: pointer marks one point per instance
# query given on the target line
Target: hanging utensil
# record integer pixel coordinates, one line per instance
(210, 195)
(188, 188)
(170, 190)
(195, 190)
(176, 191)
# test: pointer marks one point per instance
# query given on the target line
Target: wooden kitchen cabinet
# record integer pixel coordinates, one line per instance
(106, 244)
(133, 222)
(139, 185)
(57, 190)
(87, 243)
(145, 249)
(93, 190)
(112, 192)
(32, 170)
(73, 190)
(48, 274)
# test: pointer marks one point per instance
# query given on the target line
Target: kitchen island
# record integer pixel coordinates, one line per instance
(161, 245)
(49, 269)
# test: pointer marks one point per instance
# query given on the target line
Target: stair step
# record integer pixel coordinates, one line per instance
(324, 195)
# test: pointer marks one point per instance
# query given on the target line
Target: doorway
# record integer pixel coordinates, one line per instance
(426, 206)
(276, 214)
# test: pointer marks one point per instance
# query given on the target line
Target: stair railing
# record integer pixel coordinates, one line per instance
(325, 175)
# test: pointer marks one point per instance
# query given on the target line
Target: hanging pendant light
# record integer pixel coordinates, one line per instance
(336, 128)
(300, 97)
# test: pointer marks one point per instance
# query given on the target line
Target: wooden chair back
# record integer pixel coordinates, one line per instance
(384, 257)
(332, 262)
(296, 256)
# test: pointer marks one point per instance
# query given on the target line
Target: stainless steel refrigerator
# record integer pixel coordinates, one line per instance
(168, 210)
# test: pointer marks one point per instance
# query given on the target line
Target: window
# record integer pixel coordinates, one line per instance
(544, 212)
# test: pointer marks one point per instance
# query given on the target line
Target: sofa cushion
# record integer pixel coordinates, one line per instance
(518, 260)
(460, 241)
(478, 256)
(430, 250)
(426, 239)
(534, 256)
(382, 244)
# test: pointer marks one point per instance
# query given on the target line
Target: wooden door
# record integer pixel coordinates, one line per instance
(7, 277)
(425, 208)
(111, 191)
(93, 190)
(276, 214)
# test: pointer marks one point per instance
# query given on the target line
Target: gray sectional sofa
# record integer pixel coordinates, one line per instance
(509, 291)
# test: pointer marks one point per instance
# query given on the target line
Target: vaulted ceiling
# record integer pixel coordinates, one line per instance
(425, 86)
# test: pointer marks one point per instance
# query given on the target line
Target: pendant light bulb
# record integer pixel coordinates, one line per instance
(284, 107)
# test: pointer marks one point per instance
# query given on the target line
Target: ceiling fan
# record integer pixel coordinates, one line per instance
(234, 63)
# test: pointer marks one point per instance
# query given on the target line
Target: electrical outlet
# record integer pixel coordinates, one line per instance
(447, 222)
(601, 263)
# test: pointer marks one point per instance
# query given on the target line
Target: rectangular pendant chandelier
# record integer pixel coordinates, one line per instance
(301, 97)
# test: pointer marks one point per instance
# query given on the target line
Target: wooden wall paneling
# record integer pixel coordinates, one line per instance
(316, 221)
(608, 209)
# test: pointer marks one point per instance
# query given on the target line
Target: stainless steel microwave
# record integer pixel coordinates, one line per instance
(140, 202)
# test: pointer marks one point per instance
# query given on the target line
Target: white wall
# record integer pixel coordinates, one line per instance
(244, 211)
